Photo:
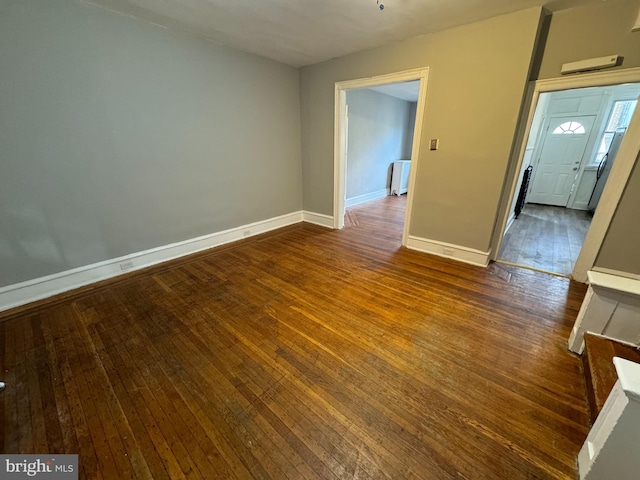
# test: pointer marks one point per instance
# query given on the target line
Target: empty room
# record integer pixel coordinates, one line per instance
(202, 275)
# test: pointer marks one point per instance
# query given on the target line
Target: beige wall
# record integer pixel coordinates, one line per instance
(477, 77)
(117, 136)
(596, 30)
(620, 249)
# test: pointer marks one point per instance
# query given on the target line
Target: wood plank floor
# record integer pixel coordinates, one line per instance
(546, 238)
(303, 353)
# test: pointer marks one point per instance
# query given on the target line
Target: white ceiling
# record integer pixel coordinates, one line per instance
(404, 91)
(303, 32)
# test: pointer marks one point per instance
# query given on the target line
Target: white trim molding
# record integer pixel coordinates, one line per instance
(617, 273)
(318, 219)
(512, 218)
(22, 293)
(611, 308)
(611, 447)
(350, 202)
(448, 250)
(340, 137)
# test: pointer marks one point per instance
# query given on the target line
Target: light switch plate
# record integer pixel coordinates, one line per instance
(435, 143)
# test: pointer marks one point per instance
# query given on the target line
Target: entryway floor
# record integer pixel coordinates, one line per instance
(546, 238)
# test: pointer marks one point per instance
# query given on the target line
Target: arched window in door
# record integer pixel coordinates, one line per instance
(569, 128)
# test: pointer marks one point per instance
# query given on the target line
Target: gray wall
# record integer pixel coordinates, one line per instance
(117, 136)
(478, 75)
(378, 131)
(597, 30)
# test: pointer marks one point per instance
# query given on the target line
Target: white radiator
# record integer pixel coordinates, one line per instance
(400, 177)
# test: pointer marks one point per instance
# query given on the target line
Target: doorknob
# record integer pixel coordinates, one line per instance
(575, 168)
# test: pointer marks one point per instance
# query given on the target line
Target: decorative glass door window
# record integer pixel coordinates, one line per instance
(571, 128)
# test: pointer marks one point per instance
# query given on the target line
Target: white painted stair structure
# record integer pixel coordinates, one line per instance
(612, 448)
(611, 308)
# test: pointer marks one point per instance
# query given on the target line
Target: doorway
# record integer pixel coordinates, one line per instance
(341, 137)
(380, 124)
(571, 134)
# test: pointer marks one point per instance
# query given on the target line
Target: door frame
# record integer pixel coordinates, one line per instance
(340, 144)
(620, 172)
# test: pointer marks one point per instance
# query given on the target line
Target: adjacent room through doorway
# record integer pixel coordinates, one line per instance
(378, 128)
(380, 125)
(572, 144)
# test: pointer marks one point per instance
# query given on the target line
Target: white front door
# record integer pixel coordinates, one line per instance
(560, 155)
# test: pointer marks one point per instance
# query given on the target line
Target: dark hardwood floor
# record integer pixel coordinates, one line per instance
(303, 353)
(546, 238)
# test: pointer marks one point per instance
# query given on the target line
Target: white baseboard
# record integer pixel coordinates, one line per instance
(318, 219)
(448, 250)
(350, 202)
(580, 206)
(22, 293)
(512, 219)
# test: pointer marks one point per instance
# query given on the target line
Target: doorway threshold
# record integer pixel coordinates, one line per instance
(527, 267)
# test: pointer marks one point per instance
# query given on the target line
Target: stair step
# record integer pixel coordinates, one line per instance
(600, 374)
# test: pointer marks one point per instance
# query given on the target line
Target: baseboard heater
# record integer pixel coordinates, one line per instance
(400, 177)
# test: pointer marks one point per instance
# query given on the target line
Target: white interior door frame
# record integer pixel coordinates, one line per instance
(625, 160)
(340, 138)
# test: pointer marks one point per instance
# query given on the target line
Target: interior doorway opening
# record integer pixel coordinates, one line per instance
(380, 125)
(572, 144)
(374, 141)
